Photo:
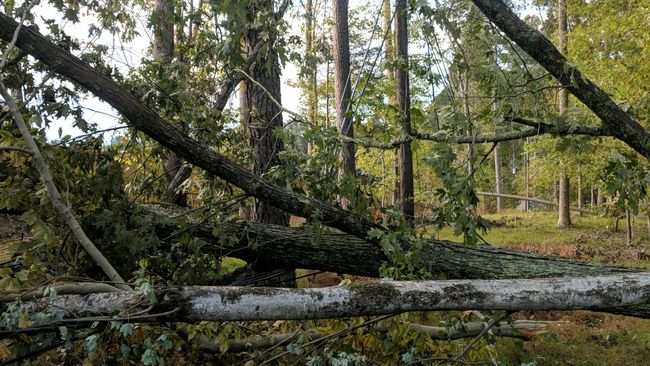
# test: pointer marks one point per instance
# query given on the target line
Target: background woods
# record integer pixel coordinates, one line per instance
(218, 165)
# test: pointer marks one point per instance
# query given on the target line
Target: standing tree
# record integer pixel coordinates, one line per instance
(407, 206)
(564, 213)
(342, 88)
(163, 52)
(261, 113)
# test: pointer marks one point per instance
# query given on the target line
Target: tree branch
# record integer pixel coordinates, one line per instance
(55, 196)
(521, 329)
(615, 120)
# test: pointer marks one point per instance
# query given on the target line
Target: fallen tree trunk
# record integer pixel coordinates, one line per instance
(521, 329)
(210, 303)
(530, 199)
(344, 253)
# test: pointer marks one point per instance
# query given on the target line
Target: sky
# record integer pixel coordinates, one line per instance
(125, 56)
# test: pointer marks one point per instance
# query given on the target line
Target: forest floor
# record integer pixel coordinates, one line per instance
(589, 338)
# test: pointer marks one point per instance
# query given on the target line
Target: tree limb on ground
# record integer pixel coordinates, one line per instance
(522, 329)
(530, 199)
(214, 303)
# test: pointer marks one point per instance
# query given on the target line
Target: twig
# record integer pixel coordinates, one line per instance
(480, 335)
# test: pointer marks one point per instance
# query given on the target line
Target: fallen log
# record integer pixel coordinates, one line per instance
(211, 303)
(530, 199)
(344, 253)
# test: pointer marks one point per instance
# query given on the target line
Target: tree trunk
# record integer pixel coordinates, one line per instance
(580, 196)
(342, 88)
(526, 180)
(592, 202)
(497, 177)
(628, 222)
(216, 303)
(261, 116)
(599, 197)
(389, 57)
(564, 214)
(312, 67)
(564, 210)
(344, 253)
(407, 206)
(163, 51)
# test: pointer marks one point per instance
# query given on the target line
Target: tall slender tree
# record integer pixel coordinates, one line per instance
(163, 51)
(389, 57)
(311, 65)
(564, 212)
(342, 87)
(407, 206)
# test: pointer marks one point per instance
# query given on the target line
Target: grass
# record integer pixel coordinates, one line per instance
(589, 338)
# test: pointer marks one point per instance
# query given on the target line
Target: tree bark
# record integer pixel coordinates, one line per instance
(615, 120)
(497, 178)
(175, 172)
(261, 116)
(343, 88)
(580, 193)
(564, 209)
(312, 66)
(564, 213)
(214, 303)
(403, 98)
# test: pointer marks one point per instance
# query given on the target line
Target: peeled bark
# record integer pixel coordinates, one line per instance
(209, 303)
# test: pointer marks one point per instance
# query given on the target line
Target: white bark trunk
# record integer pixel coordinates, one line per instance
(200, 303)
